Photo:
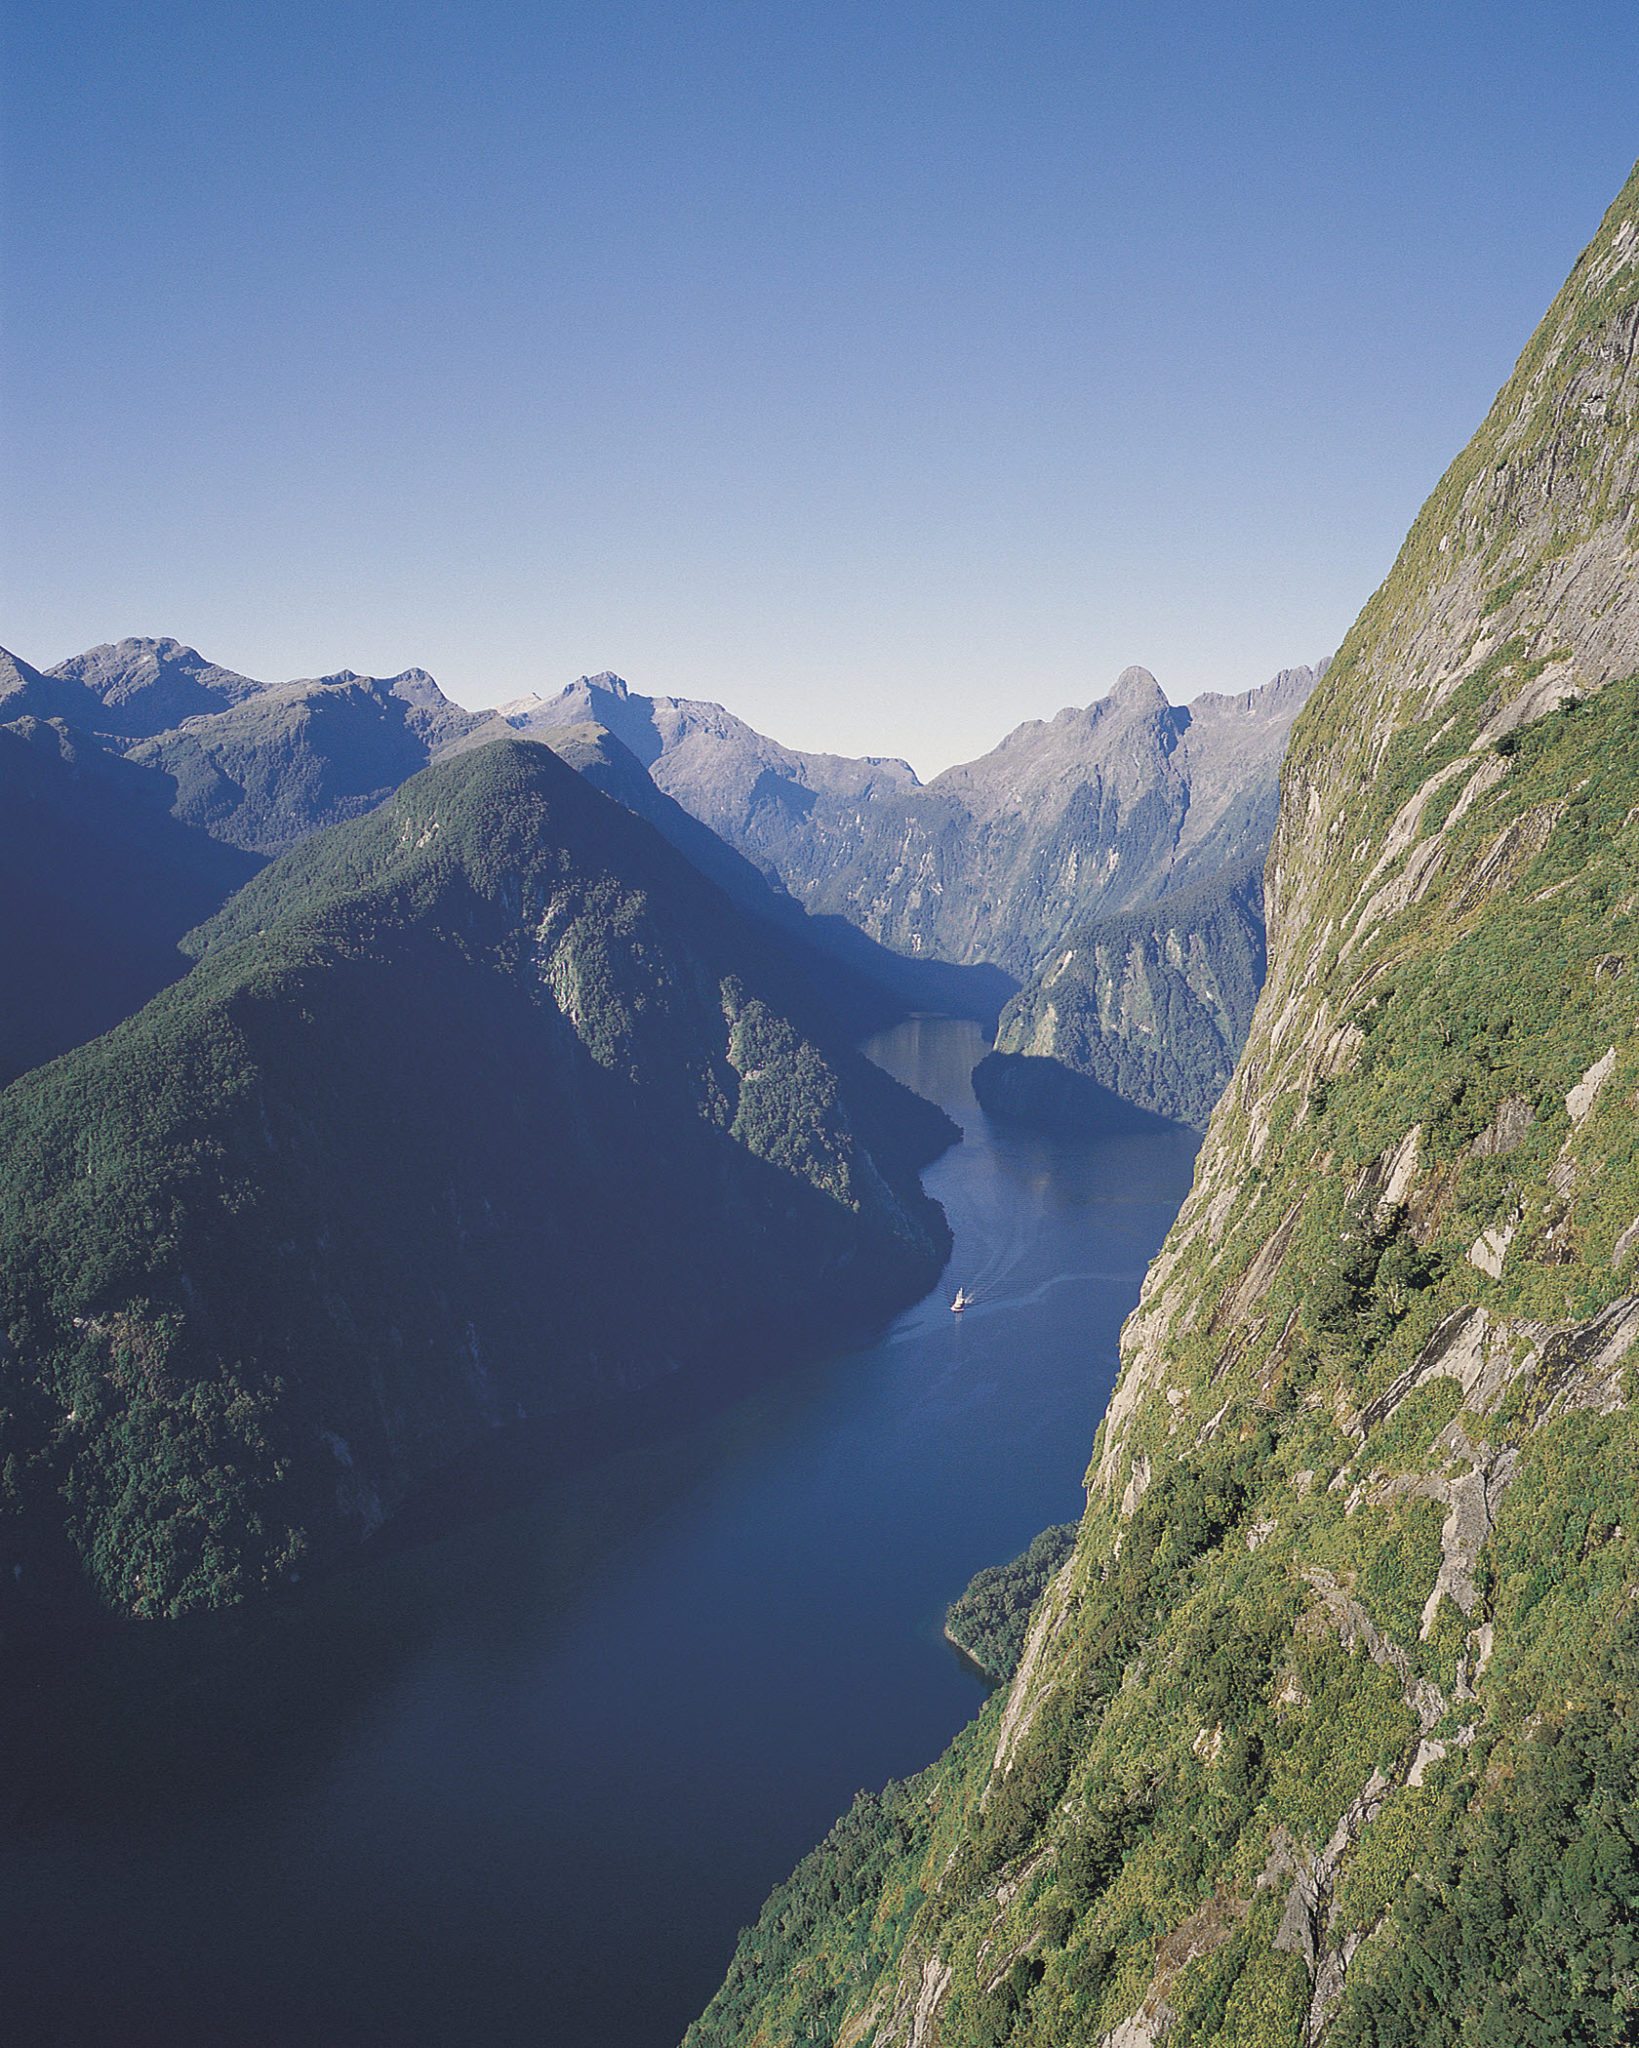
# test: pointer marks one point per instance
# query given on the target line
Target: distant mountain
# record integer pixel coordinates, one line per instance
(295, 758)
(261, 765)
(98, 882)
(485, 1107)
(1094, 812)
(715, 764)
(129, 689)
(865, 983)
(258, 765)
(1154, 1005)
(902, 897)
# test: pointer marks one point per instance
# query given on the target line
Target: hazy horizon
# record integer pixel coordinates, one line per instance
(925, 770)
(889, 375)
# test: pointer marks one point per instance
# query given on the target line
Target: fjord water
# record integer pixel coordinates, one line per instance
(522, 1783)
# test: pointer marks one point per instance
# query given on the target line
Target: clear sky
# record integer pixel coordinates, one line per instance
(890, 372)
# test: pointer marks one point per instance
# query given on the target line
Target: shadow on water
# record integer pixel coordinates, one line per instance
(150, 1723)
(523, 1779)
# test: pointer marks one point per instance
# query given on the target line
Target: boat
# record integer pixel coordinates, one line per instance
(962, 1301)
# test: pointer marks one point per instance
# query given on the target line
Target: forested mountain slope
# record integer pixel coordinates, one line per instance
(98, 882)
(485, 1107)
(1328, 1730)
(1154, 1005)
(1093, 812)
(868, 986)
(899, 897)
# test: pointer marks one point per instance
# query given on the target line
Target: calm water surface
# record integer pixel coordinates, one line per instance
(524, 1783)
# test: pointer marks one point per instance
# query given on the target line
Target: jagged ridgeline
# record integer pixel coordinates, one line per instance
(482, 1108)
(1327, 1730)
(1068, 820)
(259, 765)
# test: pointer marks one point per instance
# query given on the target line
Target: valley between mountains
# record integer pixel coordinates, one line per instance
(517, 1076)
(383, 1083)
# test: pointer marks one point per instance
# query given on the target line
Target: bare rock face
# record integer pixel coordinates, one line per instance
(940, 897)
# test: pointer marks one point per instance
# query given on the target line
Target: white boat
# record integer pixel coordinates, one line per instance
(963, 1298)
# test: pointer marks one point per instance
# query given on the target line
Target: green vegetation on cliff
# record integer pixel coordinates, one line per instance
(481, 1109)
(1327, 1731)
(1154, 1005)
(988, 1620)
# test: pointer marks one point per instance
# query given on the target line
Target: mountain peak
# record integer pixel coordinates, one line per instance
(607, 680)
(1136, 687)
(137, 654)
(136, 687)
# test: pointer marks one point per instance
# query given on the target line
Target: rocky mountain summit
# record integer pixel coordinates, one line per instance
(902, 896)
(126, 689)
(1328, 1731)
(258, 765)
(1093, 812)
(1130, 808)
(866, 984)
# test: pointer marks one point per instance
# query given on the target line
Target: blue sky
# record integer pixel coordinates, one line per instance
(889, 372)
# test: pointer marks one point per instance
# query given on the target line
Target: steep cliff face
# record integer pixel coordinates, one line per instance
(1068, 820)
(1154, 1006)
(1328, 1728)
(484, 1108)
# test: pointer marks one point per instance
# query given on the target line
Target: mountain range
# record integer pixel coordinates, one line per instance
(197, 1308)
(1096, 811)
(898, 897)
(258, 765)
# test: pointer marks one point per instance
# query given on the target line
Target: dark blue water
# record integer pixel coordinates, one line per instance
(523, 1784)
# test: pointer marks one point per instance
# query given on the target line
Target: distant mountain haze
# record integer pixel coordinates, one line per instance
(899, 896)
(256, 764)
(1096, 811)
(130, 688)
(865, 983)
(1014, 860)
